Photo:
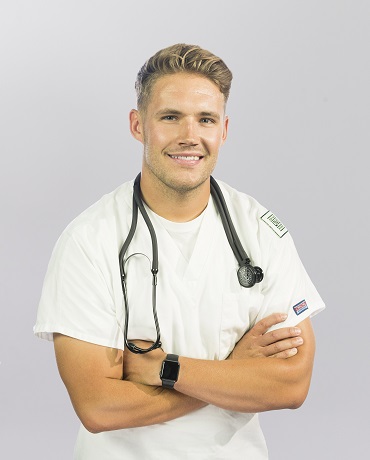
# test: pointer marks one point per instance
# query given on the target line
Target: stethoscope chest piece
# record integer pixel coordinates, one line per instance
(248, 275)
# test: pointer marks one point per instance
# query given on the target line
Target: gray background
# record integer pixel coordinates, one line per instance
(298, 141)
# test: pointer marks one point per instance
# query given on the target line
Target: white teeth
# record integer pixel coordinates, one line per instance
(179, 157)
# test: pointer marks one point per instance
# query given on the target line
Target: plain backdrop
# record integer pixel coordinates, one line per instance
(298, 142)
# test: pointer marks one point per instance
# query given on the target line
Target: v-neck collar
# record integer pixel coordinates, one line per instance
(170, 254)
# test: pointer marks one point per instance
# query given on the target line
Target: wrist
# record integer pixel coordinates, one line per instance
(156, 370)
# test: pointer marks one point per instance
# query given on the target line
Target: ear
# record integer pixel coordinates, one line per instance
(136, 125)
(226, 126)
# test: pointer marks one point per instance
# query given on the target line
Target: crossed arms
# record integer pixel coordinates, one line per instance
(112, 389)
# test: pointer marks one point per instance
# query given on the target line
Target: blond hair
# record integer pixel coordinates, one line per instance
(181, 58)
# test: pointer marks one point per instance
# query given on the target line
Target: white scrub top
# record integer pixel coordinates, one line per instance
(202, 310)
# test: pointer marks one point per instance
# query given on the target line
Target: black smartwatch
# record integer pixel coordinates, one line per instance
(170, 371)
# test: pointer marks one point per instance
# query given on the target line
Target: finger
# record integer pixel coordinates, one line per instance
(278, 335)
(264, 324)
(285, 354)
(282, 346)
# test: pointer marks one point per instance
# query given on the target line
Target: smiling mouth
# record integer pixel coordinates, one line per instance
(186, 157)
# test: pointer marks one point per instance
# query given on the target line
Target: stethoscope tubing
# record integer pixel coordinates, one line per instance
(138, 204)
(229, 228)
(247, 274)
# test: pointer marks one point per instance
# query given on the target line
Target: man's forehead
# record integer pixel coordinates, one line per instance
(186, 83)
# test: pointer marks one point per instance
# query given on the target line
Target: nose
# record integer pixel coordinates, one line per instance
(188, 134)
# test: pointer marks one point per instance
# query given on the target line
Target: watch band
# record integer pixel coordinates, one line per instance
(172, 357)
(168, 384)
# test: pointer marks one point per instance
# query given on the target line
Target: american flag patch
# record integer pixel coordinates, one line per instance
(300, 307)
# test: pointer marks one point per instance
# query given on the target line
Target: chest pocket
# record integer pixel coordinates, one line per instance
(239, 313)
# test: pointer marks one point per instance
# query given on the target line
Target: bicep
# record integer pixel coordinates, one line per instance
(300, 366)
(295, 373)
(306, 352)
(84, 367)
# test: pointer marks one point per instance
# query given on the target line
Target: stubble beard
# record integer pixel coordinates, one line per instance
(172, 186)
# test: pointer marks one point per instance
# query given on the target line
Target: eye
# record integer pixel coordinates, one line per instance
(207, 121)
(169, 118)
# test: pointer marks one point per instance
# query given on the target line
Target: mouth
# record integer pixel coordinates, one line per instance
(186, 157)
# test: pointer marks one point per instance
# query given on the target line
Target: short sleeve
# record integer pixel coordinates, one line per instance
(287, 286)
(76, 298)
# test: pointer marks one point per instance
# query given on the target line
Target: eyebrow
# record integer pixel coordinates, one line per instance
(170, 111)
(210, 114)
(166, 111)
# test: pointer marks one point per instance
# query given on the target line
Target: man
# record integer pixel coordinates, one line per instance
(197, 395)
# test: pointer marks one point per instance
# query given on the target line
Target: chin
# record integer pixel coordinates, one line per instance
(186, 185)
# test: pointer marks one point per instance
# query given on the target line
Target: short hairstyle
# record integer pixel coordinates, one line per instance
(181, 58)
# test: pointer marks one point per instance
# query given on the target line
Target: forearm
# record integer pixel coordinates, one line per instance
(117, 404)
(103, 401)
(250, 380)
(249, 385)
(257, 383)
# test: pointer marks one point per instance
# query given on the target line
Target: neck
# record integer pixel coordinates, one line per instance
(173, 205)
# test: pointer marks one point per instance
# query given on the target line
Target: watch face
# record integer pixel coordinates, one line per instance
(170, 370)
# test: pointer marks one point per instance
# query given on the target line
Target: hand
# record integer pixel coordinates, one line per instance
(143, 368)
(257, 342)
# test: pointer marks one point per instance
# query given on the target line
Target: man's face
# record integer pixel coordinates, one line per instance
(182, 130)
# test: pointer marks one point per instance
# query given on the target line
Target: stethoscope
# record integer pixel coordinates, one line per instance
(248, 275)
